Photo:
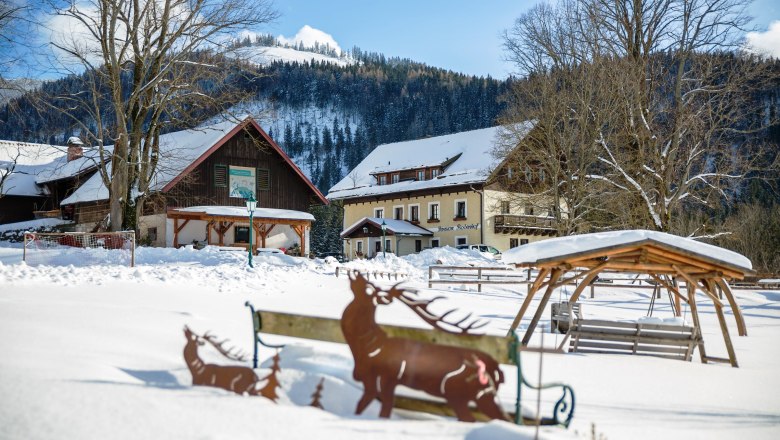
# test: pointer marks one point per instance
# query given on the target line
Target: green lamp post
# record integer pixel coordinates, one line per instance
(384, 242)
(251, 204)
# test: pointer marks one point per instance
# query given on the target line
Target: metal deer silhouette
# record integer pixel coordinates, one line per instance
(459, 375)
(237, 379)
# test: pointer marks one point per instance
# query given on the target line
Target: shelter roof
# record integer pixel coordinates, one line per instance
(394, 227)
(240, 211)
(576, 248)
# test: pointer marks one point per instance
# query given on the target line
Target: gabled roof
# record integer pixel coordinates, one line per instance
(35, 164)
(466, 156)
(181, 152)
(585, 245)
(394, 227)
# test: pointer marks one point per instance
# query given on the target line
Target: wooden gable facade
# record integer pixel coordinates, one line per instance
(280, 183)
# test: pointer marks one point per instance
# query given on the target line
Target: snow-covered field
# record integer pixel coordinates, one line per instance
(95, 351)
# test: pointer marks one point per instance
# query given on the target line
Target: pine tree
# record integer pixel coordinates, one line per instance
(269, 390)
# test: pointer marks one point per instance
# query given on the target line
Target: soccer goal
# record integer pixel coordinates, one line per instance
(79, 248)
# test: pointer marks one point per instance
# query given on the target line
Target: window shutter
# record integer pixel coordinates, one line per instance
(263, 179)
(220, 176)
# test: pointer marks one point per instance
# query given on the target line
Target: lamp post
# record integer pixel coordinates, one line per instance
(251, 204)
(384, 242)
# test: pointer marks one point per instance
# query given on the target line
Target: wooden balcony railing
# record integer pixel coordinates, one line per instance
(524, 224)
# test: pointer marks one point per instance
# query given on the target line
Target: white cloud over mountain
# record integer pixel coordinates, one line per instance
(309, 35)
(766, 43)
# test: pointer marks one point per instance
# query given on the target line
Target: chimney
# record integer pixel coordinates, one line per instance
(75, 149)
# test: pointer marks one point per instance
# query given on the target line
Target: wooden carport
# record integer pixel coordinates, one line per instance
(663, 257)
(221, 219)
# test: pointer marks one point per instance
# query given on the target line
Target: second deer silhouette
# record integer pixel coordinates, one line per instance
(459, 375)
(239, 380)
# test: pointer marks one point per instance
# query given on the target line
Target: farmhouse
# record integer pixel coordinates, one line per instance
(35, 178)
(199, 192)
(445, 190)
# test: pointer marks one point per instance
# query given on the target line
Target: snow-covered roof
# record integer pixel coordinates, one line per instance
(394, 227)
(34, 164)
(177, 151)
(563, 247)
(240, 211)
(473, 163)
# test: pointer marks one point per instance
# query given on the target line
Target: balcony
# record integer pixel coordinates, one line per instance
(524, 224)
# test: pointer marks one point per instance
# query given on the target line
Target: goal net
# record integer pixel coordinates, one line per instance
(80, 248)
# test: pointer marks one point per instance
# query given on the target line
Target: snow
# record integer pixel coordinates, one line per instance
(96, 352)
(562, 247)
(235, 211)
(399, 227)
(471, 148)
(264, 55)
(30, 225)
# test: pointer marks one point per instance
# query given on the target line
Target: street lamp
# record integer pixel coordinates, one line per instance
(251, 204)
(384, 242)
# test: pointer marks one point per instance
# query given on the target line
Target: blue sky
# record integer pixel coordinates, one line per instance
(454, 34)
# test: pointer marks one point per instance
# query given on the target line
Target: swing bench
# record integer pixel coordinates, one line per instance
(505, 350)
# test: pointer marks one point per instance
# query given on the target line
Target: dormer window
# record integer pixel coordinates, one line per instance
(434, 173)
(420, 174)
(394, 178)
(382, 180)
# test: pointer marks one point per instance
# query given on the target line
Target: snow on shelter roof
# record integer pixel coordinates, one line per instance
(395, 227)
(562, 247)
(240, 211)
(473, 164)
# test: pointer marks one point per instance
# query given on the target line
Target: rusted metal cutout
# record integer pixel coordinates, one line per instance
(459, 375)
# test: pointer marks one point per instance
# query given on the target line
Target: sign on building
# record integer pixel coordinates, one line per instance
(242, 182)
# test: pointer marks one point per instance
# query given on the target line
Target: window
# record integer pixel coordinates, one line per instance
(379, 212)
(435, 242)
(387, 245)
(529, 209)
(220, 176)
(420, 174)
(513, 243)
(417, 245)
(509, 172)
(414, 213)
(395, 178)
(359, 250)
(505, 207)
(459, 241)
(398, 212)
(433, 212)
(152, 234)
(460, 209)
(263, 179)
(541, 175)
(529, 173)
(523, 241)
(383, 180)
(434, 173)
(241, 234)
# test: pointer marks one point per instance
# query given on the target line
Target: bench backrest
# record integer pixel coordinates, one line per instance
(663, 340)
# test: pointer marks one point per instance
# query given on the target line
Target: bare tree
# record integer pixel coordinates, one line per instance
(667, 106)
(146, 65)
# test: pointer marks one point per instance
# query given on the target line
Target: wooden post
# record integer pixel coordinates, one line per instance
(531, 292)
(479, 278)
(677, 303)
(695, 317)
(724, 286)
(430, 275)
(175, 232)
(585, 282)
(726, 336)
(556, 273)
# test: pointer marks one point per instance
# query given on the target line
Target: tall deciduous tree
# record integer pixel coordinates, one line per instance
(649, 94)
(146, 65)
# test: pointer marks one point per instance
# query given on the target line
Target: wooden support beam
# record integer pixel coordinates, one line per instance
(176, 229)
(703, 286)
(531, 292)
(695, 317)
(579, 275)
(671, 288)
(588, 279)
(556, 273)
(726, 337)
(741, 327)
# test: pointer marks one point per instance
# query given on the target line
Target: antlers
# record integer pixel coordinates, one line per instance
(230, 353)
(420, 307)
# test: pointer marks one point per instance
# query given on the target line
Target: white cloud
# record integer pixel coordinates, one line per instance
(308, 36)
(766, 43)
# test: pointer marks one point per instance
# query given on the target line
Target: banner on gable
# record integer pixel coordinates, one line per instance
(242, 182)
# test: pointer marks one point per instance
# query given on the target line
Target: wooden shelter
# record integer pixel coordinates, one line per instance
(220, 219)
(664, 258)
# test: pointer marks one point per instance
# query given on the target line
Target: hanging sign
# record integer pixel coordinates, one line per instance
(242, 182)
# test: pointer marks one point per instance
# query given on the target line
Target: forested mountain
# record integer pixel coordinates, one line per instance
(327, 115)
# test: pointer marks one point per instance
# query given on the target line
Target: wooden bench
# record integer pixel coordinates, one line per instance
(504, 349)
(562, 314)
(663, 340)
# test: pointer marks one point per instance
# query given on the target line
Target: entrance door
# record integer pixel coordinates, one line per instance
(377, 247)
